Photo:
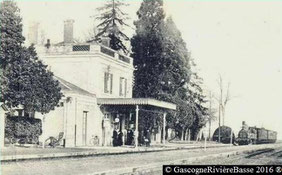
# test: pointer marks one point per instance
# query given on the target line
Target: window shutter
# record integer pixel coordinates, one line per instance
(125, 87)
(106, 82)
(111, 83)
(120, 86)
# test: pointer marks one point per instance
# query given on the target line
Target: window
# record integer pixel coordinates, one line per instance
(76, 48)
(107, 116)
(108, 83)
(122, 86)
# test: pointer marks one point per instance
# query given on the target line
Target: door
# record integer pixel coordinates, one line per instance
(84, 128)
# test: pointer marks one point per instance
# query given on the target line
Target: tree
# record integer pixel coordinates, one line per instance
(197, 100)
(30, 84)
(112, 22)
(11, 33)
(163, 70)
(155, 76)
(211, 111)
(147, 49)
(25, 79)
(161, 61)
(177, 76)
(222, 99)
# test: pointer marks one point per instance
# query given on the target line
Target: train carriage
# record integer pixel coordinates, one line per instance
(225, 133)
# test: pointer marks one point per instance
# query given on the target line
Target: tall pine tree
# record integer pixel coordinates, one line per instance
(112, 22)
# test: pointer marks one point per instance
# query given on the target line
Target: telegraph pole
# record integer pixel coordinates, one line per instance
(219, 123)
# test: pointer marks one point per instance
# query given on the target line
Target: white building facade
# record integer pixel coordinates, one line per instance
(97, 84)
(93, 68)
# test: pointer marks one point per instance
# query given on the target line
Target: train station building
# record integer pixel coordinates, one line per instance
(97, 84)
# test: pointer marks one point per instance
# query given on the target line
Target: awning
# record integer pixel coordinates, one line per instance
(136, 101)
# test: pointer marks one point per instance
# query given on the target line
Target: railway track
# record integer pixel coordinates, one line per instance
(148, 163)
(257, 153)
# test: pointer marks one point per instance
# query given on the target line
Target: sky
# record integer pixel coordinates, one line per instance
(241, 40)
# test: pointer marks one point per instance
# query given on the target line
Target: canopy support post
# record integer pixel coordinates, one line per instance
(164, 123)
(136, 126)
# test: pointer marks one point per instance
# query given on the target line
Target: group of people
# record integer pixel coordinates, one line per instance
(143, 139)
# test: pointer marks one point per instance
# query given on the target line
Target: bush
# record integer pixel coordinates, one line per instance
(23, 129)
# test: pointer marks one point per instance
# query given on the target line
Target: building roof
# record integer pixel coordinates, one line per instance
(136, 101)
(69, 87)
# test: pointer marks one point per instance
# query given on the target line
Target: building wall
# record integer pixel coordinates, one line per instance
(54, 122)
(68, 119)
(74, 128)
(94, 121)
(87, 71)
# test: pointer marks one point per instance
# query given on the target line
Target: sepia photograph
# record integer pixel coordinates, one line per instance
(140, 87)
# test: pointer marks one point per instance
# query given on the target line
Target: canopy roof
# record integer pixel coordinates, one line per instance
(136, 101)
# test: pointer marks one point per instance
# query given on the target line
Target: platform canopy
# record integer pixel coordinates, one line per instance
(136, 101)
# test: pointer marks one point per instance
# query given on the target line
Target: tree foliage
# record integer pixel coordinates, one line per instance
(11, 33)
(112, 22)
(197, 100)
(147, 49)
(163, 69)
(25, 80)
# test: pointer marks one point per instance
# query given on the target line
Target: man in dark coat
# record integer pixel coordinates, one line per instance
(115, 138)
(130, 137)
(120, 142)
(147, 137)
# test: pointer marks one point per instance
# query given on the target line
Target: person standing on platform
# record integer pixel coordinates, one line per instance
(120, 142)
(147, 138)
(115, 138)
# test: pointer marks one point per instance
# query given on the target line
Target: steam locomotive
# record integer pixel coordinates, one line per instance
(253, 135)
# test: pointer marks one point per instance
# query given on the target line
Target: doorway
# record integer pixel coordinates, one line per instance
(84, 128)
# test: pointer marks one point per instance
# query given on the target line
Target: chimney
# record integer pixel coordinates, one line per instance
(243, 123)
(68, 31)
(33, 33)
(48, 44)
(105, 41)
